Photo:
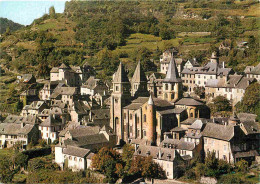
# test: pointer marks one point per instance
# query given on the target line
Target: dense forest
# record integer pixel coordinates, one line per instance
(8, 25)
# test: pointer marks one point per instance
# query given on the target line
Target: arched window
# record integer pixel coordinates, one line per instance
(144, 117)
(80, 159)
(70, 157)
(166, 96)
(75, 158)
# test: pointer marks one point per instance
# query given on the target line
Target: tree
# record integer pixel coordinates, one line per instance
(150, 169)
(52, 12)
(220, 103)
(200, 91)
(127, 155)
(250, 102)
(107, 162)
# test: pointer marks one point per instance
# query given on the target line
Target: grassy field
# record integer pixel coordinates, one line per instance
(193, 40)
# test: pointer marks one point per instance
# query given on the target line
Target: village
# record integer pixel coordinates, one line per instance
(159, 114)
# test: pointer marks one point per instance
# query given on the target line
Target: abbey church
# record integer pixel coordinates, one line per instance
(136, 115)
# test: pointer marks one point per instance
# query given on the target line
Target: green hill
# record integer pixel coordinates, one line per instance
(103, 32)
(5, 23)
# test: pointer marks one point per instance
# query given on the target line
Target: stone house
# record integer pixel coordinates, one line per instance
(18, 132)
(51, 127)
(198, 76)
(89, 137)
(155, 85)
(165, 60)
(167, 158)
(253, 72)
(29, 96)
(48, 89)
(34, 108)
(70, 75)
(233, 88)
(72, 157)
(27, 78)
(231, 141)
(66, 94)
(190, 63)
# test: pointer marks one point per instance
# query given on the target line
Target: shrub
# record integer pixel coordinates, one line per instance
(241, 166)
(190, 174)
(35, 164)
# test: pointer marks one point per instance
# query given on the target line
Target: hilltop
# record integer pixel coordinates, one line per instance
(5, 23)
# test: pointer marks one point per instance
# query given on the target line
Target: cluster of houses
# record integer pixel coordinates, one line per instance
(81, 114)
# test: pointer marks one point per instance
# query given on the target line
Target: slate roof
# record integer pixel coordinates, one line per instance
(172, 73)
(76, 151)
(139, 75)
(209, 68)
(64, 66)
(21, 119)
(197, 125)
(194, 62)
(27, 77)
(86, 140)
(244, 83)
(171, 111)
(253, 70)
(120, 75)
(36, 105)
(246, 116)
(54, 70)
(189, 102)
(63, 91)
(177, 129)
(251, 127)
(79, 107)
(179, 144)
(51, 121)
(101, 114)
(83, 131)
(251, 153)
(156, 152)
(15, 129)
(76, 69)
(217, 131)
(91, 83)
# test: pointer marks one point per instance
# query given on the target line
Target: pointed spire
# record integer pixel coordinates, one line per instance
(120, 75)
(139, 75)
(172, 73)
(150, 101)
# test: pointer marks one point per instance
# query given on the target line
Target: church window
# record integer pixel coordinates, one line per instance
(166, 96)
(172, 87)
(144, 117)
(144, 133)
(116, 100)
(117, 88)
(131, 116)
(166, 86)
(124, 115)
(75, 158)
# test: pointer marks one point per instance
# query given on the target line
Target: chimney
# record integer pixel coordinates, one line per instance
(223, 64)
